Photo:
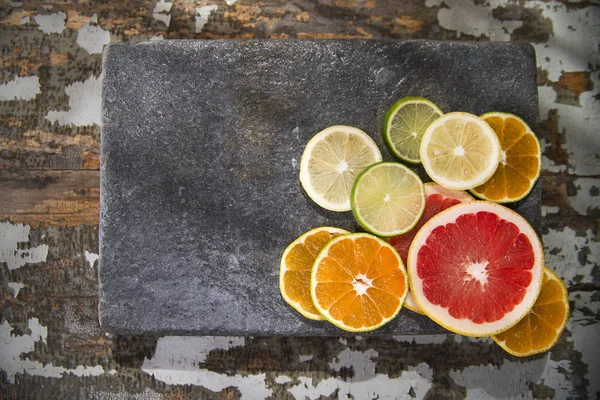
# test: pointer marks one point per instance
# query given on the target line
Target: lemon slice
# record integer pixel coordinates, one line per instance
(332, 160)
(460, 151)
(388, 199)
(404, 125)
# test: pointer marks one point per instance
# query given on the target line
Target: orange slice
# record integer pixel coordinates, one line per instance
(296, 265)
(358, 282)
(520, 160)
(541, 328)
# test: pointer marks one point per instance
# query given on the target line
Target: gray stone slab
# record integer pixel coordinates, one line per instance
(201, 142)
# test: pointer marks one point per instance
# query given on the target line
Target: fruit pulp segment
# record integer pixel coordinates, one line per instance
(434, 204)
(461, 150)
(487, 278)
(335, 162)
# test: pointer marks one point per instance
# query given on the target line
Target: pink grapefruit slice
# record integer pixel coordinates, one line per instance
(437, 199)
(476, 268)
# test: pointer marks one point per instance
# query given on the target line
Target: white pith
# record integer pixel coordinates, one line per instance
(440, 314)
(477, 271)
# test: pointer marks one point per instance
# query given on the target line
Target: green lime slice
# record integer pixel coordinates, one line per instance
(387, 199)
(404, 125)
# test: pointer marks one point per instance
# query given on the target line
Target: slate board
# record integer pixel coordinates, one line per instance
(201, 143)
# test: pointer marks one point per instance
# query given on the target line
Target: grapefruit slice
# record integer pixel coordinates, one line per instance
(476, 268)
(437, 199)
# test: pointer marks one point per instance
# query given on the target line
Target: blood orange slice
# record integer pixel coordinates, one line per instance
(437, 199)
(476, 268)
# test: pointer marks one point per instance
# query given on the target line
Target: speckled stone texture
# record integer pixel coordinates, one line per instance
(201, 143)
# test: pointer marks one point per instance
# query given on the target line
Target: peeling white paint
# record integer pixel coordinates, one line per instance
(161, 10)
(230, 2)
(162, 7)
(51, 23)
(15, 287)
(581, 126)
(574, 43)
(25, 20)
(147, 394)
(509, 380)
(294, 163)
(203, 14)
(547, 210)
(94, 18)
(13, 350)
(359, 361)
(557, 380)
(584, 328)
(303, 358)
(192, 350)
(92, 38)
(20, 88)
(365, 383)
(91, 258)
(282, 379)
(562, 254)
(156, 38)
(14, 248)
(477, 20)
(164, 18)
(85, 104)
(15, 4)
(379, 386)
(584, 202)
(421, 339)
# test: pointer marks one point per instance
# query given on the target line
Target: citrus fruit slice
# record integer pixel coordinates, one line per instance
(387, 199)
(437, 199)
(296, 265)
(404, 125)
(541, 328)
(460, 151)
(476, 268)
(331, 161)
(358, 282)
(520, 160)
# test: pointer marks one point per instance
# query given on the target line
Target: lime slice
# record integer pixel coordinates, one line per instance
(388, 199)
(331, 161)
(404, 125)
(460, 151)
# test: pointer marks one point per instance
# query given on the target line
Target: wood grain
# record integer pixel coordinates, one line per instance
(40, 198)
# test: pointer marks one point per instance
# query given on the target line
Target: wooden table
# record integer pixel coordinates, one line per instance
(52, 345)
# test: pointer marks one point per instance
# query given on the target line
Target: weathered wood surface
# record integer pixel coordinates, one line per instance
(52, 345)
